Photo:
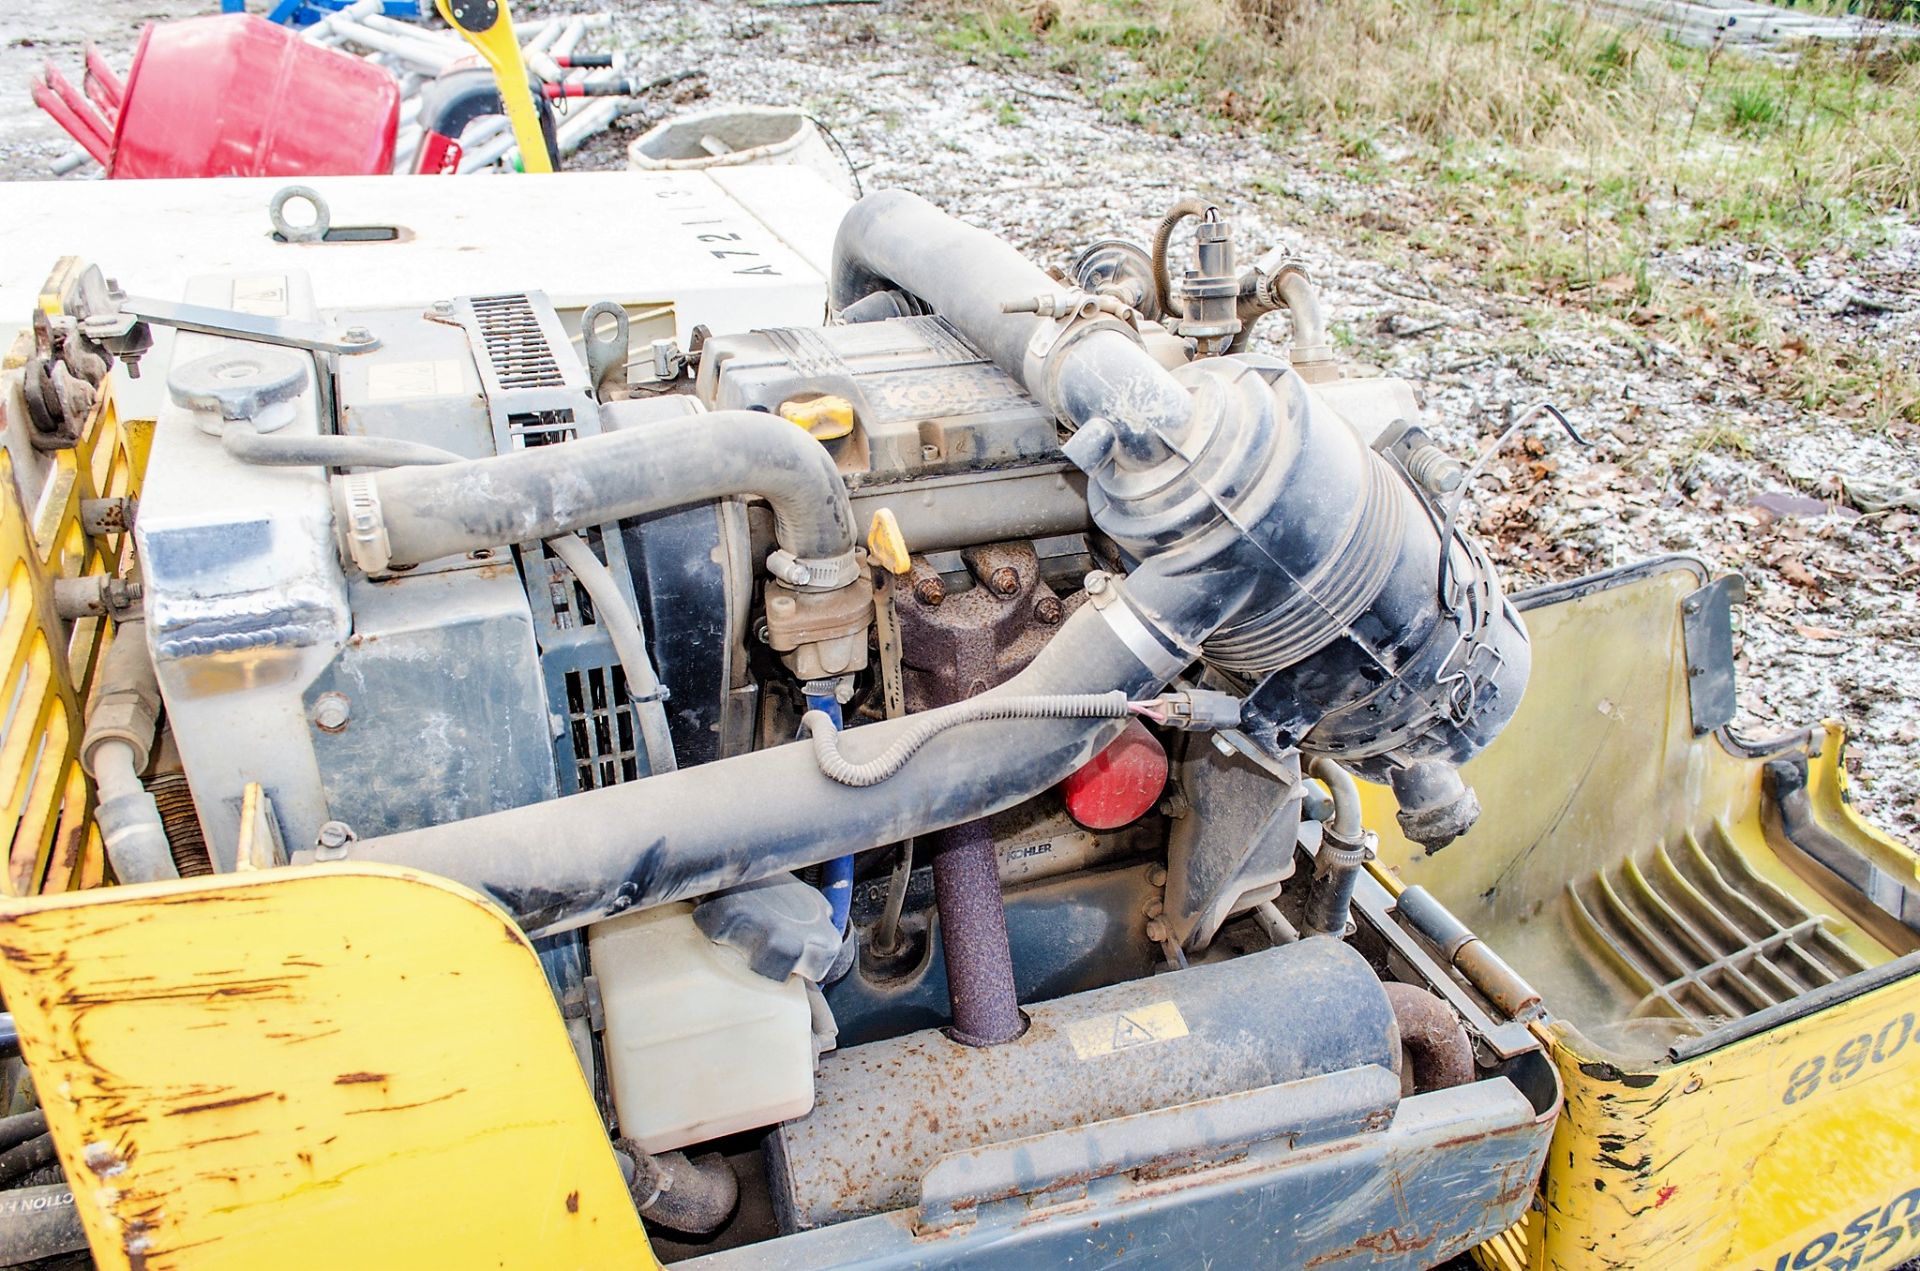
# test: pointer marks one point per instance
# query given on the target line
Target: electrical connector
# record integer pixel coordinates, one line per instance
(1192, 711)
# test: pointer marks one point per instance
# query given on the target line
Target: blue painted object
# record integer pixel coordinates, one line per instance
(837, 880)
(308, 12)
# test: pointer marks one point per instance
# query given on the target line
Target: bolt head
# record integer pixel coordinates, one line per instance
(334, 835)
(1049, 610)
(1098, 581)
(929, 592)
(443, 307)
(357, 335)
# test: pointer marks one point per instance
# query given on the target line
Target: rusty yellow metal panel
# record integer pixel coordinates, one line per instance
(324, 1066)
(49, 663)
(1738, 1034)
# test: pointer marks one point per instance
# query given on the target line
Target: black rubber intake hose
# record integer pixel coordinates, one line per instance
(452, 508)
(563, 864)
(893, 240)
(38, 1222)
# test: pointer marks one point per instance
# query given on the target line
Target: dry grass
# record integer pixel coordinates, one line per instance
(1549, 150)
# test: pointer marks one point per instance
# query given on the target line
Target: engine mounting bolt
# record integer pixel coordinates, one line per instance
(1097, 582)
(929, 592)
(331, 711)
(1049, 610)
(1155, 907)
(1157, 930)
(1004, 581)
(1157, 876)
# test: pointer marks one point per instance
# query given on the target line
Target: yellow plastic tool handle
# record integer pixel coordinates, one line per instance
(488, 26)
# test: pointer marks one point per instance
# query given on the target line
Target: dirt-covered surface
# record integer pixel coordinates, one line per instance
(1690, 453)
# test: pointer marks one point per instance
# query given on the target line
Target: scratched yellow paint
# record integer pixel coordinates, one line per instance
(317, 1067)
(1792, 1150)
(48, 663)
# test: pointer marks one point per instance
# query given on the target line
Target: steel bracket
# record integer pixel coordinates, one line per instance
(1706, 623)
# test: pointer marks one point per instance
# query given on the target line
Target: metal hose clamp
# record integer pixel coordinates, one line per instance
(366, 529)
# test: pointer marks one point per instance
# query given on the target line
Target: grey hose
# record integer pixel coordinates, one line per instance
(453, 508)
(114, 751)
(565, 863)
(695, 1197)
(892, 240)
(616, 615)
(1162, 237)
(929, 724)
(277, 450)
(1346, 825)
(622, 625)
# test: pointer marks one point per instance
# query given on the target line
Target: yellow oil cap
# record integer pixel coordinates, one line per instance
(825, 417)
(886, 545)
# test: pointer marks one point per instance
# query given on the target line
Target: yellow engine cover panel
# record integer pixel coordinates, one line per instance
(316, 1067)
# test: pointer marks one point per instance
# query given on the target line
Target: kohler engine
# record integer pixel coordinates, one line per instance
(911, 741)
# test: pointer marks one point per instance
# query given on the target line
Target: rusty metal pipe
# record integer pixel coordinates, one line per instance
(1433, 1042)
(973, 938)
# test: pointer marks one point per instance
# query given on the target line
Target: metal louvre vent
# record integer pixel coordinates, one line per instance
(534, 382)
(515, 344)
(597, 740)
(1702, 936)
(600, 718)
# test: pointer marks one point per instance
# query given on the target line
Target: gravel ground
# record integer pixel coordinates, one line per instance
(1690, 453)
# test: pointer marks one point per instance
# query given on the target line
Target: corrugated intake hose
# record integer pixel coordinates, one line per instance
(927, 724)
(424, 512)
(565, 863)
(695, 1197)
(39, 1222)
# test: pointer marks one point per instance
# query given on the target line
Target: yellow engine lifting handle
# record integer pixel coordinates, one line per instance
(488, 26)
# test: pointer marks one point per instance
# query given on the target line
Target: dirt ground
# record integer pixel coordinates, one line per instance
(1821, 515)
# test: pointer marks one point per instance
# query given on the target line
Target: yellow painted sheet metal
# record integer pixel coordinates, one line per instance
(48, 663)
(316, 1067)
(1791, 1149)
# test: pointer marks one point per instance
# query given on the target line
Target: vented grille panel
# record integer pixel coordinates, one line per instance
(1702, 936)
(515, 344)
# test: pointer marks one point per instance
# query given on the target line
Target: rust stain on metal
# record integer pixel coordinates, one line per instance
(236, 1101)
(573, 1202)
(402, 1107)
(359, 1078)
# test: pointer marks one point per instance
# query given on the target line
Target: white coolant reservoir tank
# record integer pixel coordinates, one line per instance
(697, 1043)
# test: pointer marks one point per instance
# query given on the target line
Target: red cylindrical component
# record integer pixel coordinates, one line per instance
(1121, 783)
(235, 95)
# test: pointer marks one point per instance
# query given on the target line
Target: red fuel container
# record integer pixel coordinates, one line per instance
(235, 95)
